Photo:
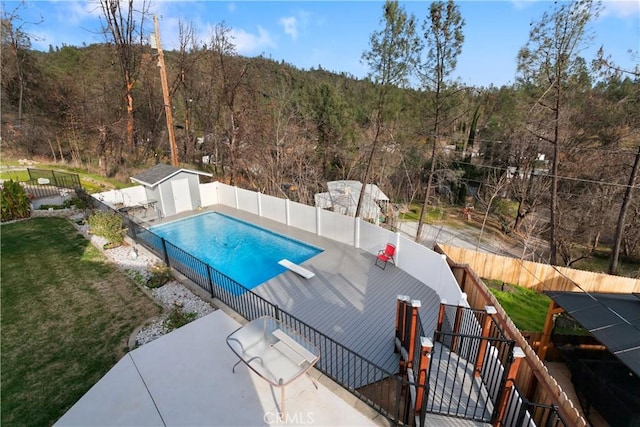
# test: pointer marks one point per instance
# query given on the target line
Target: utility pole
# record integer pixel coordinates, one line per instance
(165, 93)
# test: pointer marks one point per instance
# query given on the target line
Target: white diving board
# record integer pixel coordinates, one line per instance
(296, 268)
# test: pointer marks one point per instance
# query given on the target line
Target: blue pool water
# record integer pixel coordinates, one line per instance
(246, 253)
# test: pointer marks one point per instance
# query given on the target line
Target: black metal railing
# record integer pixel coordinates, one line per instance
(470, 347)
(523, 413)
(462, 384)
(43, 183)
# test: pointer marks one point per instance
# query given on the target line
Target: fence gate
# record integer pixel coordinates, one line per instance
(461, 373)
(44, 182)
(469, 364)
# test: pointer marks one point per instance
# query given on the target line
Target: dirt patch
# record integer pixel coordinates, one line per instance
(499, 285)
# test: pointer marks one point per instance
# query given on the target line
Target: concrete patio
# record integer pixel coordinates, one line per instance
(185, 378)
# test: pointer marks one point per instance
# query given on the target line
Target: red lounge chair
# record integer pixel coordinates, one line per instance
(385, 255)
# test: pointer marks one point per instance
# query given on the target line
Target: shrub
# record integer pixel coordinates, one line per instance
(178, 318)
(83, 200)
(14, 202)
(160, 274)
(76, 202)
(107, 225)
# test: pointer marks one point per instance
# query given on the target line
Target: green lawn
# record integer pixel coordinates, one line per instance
(433, 214)
(92, 183)
(526, 308)
(66, 318)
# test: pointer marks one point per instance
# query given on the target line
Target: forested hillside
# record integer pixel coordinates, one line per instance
(554, 156)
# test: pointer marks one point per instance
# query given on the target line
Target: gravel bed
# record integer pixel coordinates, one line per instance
(172, 295)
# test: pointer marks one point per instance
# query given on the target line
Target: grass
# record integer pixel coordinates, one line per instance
(92, 183)
(433, 214)
(599, 262)
(527, 308)
(66, 318)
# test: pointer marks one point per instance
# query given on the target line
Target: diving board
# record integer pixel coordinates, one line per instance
(296, 268)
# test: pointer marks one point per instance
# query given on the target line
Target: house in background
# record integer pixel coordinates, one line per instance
(171, 190)
(342, 198)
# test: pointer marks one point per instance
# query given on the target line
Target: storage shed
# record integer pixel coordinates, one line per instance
(171, 190)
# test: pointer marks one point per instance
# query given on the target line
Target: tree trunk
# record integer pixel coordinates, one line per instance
(615, 254)
(20, 97)
(553, 244)
(60, 150)
(427, 192)
(53, 152)
(520, 216)
(129, 118)
(374, 146)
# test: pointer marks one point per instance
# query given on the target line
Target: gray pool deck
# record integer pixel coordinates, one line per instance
(349, 299)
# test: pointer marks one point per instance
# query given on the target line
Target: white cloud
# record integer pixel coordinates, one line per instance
(522, 4)
(621, 8)
(248, 43)
(231, 7)
(290, 25)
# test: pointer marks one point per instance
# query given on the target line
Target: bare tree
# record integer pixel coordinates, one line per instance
(608, 68)
(391, 59)
(620, 225)
(444, 38)
(230, 73)
(125, 27)
(494, 186)
(16, 43)
(547, 62)
(529, 183)
(185, 87)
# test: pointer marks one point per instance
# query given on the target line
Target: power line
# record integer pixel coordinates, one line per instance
(548, 175)
(567, 146)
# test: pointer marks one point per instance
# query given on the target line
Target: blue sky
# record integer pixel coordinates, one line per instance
(334, 34)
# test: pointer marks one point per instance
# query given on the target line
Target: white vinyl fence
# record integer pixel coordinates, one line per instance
(427, 266)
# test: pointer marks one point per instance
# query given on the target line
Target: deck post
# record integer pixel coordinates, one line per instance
(423, 365)
(546, 330)
(400, 311)
(456, 329)
(401, 324)
(164, 251)
(486, 327)
(443, 303)
(413, 332)
(509, 385)
(210, 280)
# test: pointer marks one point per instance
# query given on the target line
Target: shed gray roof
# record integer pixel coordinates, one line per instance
(161, 172)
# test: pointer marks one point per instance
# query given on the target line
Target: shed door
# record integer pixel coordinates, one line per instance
(181, 195)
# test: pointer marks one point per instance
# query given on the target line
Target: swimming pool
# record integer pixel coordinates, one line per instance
(242, 251)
